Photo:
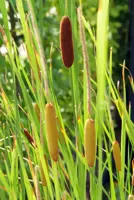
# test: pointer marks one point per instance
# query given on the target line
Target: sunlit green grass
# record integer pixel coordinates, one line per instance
(20, 163)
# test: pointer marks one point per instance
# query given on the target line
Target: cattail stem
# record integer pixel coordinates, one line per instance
(86, 58)
(40, 48)
(37, 190)
(37, 110)
(43, 178)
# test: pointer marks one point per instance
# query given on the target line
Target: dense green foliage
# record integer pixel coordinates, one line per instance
(33, 78)
(48, 19)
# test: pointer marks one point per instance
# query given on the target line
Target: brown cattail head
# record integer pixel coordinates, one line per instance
(66, 42)
(29, 137)
(131, 197)
(90, 142)
(117, 155)
(51, 131)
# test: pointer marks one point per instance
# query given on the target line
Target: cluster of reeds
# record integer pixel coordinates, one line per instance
(61, 161)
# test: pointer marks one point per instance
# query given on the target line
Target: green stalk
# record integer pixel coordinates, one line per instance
(87, 84)
(123, 139)
(40, 48)
(56, 180)
(101, 59)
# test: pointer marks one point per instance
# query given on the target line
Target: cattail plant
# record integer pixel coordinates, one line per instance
(66, 42)
(51, 131)
(117, 155)
(90, 142)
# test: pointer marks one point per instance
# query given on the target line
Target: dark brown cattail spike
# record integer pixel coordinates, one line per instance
(66, 42)
(29, 137)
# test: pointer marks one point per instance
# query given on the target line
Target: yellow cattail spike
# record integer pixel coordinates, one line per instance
(117, 155)
(90, 142)
(131, 197)
(51, 131)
